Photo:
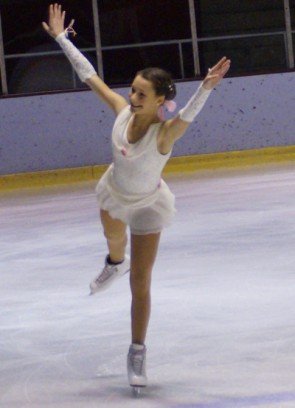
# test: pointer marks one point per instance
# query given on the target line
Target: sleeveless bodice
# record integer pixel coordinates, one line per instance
(136, 167)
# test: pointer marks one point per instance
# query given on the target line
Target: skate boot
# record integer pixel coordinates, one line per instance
(109, 273)
(136, 367)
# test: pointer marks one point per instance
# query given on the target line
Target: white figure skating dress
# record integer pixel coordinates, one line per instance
(131, 189)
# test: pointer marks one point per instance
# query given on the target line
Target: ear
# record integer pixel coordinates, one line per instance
(160, 100)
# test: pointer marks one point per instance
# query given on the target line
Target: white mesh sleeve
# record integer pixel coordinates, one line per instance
(195, 104)
(80, 64)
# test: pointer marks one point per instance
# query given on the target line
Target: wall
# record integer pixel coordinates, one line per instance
(73, 129)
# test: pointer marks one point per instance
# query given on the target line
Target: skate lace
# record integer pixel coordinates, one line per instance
(137, 363)
(108, 270)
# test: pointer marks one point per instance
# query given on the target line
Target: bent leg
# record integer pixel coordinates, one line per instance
(143, 254)
(116, 264)
(115, 233)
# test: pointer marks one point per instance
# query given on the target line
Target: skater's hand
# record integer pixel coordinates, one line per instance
(56, 23)
(216, 73)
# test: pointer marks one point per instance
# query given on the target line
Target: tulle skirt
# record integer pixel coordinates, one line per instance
(144, 214)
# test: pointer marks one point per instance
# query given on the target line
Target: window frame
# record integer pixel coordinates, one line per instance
(194, 40)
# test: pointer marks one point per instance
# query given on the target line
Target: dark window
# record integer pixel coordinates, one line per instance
(248, 55)
(230, 17)
(292, 12)
(129, 61)
(22, 30)
(41, 74)
(134, 21)
(23, 34)
(125, 23)
(292, 9)
(258, 25)
(136, 34)
(188, 60)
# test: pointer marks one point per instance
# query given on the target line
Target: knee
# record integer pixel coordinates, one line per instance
(116, 236)
(140, 283)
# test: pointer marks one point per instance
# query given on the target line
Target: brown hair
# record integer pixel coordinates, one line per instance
(161, 80)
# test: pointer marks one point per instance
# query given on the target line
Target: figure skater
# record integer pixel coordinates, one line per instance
(131, 192)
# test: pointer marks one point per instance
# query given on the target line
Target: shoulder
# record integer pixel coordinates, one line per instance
(121, 121)
(170, 131)
(124, 111)
(124, 114)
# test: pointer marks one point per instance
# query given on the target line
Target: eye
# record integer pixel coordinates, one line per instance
(132, 90)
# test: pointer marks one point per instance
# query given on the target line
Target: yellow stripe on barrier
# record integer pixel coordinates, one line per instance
(45, 178)
(181, 164)
(241, 158)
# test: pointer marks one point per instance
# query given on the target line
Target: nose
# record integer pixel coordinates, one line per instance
(133, 100)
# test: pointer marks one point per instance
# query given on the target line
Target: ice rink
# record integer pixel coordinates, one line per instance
(222, 330)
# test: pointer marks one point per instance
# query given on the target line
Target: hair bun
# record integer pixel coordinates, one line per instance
(161, 80)
(171, 91)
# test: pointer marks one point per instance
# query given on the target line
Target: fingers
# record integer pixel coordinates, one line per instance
(224, 70)
(50, 11)
(45, 26)
(209, 77)
(56, 20)
(220, 68)
(220, 74)
(225, 67)
(55, 10)
(220, 63)
(216, 73)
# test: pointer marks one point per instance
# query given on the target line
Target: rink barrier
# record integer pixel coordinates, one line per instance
(182, 164)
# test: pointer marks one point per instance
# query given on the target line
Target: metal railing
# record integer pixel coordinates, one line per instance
(194, 40)
(289, 40)
(2, 62)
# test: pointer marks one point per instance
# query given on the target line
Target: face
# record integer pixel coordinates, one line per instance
(143, 99)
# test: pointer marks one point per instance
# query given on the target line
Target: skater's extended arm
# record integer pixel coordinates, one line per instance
(176, 127)
(83, 68)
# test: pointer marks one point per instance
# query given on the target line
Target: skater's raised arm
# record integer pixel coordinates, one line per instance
(176, 127)
(85, 71)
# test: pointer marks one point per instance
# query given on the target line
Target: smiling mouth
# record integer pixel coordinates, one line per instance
(135, 107)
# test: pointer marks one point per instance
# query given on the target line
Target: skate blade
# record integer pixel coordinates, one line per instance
(136, 390)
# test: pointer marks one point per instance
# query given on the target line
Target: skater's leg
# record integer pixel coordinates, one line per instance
(143, 254)
(116, 263)
(115, 233)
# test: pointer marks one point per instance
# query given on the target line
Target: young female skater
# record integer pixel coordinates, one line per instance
(131, 192)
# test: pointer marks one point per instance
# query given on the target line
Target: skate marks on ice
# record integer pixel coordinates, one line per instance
(222, 331)
(280, 400)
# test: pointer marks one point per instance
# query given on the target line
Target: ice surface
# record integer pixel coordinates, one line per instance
(222, 331)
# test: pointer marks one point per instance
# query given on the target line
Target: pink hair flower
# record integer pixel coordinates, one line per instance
(170, 106)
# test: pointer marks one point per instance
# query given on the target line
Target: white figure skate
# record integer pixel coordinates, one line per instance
(136, 368)
(109, 274)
